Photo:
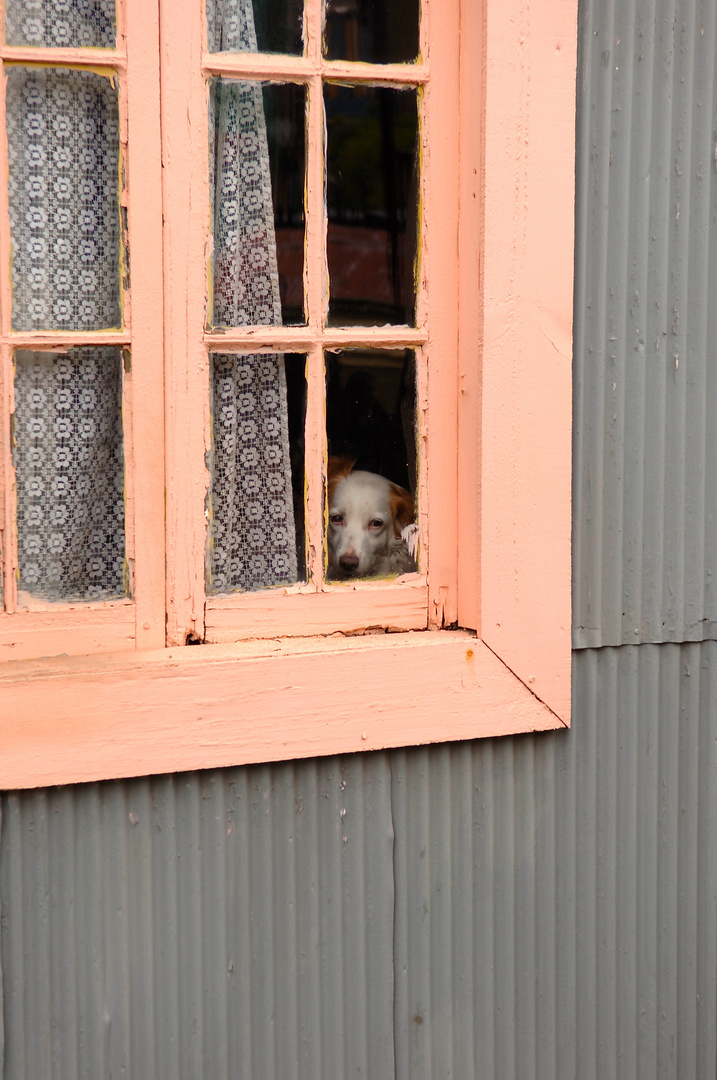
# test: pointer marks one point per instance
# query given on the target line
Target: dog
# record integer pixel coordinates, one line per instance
(367, 515)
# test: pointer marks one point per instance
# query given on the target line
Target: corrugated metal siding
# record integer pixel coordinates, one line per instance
(215, 925)
(556, 906)
(645, 494)
(541, 906)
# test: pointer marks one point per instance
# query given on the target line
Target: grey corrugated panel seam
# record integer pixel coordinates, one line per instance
(645, 467)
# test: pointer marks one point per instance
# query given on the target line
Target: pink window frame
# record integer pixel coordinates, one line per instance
(498, 262)
(29, 628)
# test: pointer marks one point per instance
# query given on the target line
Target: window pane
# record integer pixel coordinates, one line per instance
(372, 185)
(374, 31)
(63, 147)
(258, 185)
(272, 26)
(257, 487)
(69, 468)
(371, 427)
(77, 23)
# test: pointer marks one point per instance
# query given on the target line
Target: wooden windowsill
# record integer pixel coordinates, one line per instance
(73, 719)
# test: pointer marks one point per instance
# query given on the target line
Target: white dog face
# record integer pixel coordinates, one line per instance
(366, 515)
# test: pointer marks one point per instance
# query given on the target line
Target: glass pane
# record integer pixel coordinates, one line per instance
(272, 26)
(63, 148)
(256, 531)
(69, 468)
(371, 432)
(77, 23)
(258, 186)
(374, 31)
(372, 194)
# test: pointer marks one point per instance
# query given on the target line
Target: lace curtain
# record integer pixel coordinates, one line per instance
(69, 471)
(61, 23)
(63, 149)
(252, 543)
(230, 26)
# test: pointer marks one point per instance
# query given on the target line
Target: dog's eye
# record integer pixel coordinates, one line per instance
(336, 519)
(376, 524)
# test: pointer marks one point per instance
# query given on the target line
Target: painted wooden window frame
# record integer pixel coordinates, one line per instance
(282, 678)
(33, 629)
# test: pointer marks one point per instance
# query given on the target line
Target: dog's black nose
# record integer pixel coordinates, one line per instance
(349, 563)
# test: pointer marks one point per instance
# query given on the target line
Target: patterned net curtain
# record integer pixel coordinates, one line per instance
(61, 23)
(69, 472)
(63, 146)
(252, 540)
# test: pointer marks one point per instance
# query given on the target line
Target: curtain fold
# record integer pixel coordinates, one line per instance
(252, 534)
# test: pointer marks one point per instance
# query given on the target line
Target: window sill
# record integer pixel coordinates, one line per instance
(68, 720)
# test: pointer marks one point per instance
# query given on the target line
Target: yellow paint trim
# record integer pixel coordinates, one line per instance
(97, 69)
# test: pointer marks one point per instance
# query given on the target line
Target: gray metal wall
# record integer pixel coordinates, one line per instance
(527, 907)
(542, 906)
(645, 542)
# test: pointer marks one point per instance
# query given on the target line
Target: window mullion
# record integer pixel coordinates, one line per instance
(314, 463)
(144, 379)
(315, 278)
(315, 255)
(186, 203)
(313, 28)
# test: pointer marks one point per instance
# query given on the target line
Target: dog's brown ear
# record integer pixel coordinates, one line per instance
(402, 508)
(339, 468)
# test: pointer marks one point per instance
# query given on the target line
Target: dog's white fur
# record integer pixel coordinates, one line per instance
(366, 515)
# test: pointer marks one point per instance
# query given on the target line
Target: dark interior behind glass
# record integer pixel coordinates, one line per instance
(372, 204)
(371, 410)
(285, 111)
(374, 31)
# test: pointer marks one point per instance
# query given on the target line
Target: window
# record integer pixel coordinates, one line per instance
(469, 314)
(82, 523)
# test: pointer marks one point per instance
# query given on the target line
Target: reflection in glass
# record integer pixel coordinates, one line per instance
(374, 31)
(258, 213)
(69, 468)
(63, 150)
(63, 24)
(372, 196)
(272, 26)
(256, 531)
(371, 430)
